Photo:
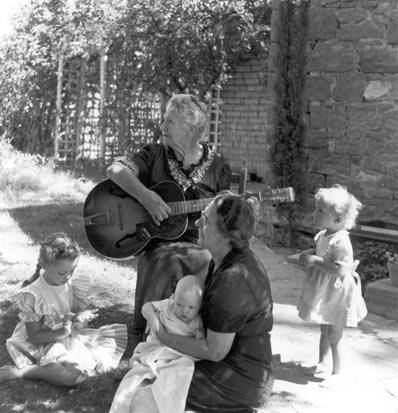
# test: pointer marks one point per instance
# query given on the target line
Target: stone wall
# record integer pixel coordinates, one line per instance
(351, 109)
(352, 101)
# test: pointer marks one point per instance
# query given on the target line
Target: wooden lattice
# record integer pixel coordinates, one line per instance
(99, 117)
(214, 109)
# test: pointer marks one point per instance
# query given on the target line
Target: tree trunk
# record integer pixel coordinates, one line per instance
(101, 134)
(57, 134)
(80, 112)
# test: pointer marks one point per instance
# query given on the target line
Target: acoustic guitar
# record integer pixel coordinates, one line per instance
(119, 227)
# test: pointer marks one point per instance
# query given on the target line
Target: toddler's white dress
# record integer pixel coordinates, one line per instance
(326, 299)
(91, 350)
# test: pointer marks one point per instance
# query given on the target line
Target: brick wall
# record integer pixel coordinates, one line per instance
(244, 118)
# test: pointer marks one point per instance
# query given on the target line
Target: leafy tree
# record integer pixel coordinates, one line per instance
(176, 46)
(28, 62)
(161, 46)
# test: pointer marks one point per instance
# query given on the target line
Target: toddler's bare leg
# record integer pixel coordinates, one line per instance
(324, 347)
(335, 334)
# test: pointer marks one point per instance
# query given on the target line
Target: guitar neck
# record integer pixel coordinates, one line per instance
(268, 195)
(196, 205)
(186, 207)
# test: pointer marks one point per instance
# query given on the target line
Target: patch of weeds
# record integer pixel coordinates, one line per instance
(373, 258)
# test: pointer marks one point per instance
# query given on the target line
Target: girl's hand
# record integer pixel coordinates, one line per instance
(308, 259)
(86, 315)
(294, 259)
(82, 319)
(67, 328)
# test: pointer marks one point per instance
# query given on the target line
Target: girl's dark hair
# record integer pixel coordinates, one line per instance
(236, 218)
(57, 246)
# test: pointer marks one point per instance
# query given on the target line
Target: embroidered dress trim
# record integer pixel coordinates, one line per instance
(198, 172)
(128, 163)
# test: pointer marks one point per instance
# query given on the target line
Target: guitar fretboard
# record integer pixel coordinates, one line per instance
(185, 207)
(195, 205)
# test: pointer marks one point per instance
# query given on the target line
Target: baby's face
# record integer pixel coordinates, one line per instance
(186, 306)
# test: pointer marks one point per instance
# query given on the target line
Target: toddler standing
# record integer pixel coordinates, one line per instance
(51, 342)
(331, 294)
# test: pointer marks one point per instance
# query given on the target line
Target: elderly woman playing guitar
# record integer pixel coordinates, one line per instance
(186, 159)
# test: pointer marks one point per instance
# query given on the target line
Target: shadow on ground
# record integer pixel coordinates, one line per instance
(95, 395)
(38, 221)
(8, 321)
(294, 373)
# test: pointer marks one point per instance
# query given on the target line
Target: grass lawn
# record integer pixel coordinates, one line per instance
(35, 201)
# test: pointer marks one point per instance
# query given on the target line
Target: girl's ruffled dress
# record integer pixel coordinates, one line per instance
(90, 350)
(326, 299)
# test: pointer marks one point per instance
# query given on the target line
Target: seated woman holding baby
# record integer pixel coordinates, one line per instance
(235, 372)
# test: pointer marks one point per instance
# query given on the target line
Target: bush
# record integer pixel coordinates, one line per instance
(373, 259)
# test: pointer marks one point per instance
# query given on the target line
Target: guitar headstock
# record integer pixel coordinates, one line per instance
(276, 195)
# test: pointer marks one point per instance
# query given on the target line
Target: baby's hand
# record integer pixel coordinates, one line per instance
(199, 334)
(153, 325)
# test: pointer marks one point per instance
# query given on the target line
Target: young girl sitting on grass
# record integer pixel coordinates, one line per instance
(51, 342)
(331, 294)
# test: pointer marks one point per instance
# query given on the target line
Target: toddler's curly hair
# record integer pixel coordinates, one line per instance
(342, 203)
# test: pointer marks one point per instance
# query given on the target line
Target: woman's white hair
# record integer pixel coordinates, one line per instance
(194, 113)
(343, 204)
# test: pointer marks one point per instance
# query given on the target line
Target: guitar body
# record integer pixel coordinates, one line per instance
(119, 227)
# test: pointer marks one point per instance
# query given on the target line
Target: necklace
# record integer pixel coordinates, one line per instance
(197, 173)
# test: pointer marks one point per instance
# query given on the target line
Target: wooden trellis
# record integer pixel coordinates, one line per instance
(214, 108)
(98, 119)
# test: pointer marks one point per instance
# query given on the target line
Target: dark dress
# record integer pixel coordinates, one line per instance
(164, 263)
(237, 299)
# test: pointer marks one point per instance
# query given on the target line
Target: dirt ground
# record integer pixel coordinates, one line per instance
(369, 382)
